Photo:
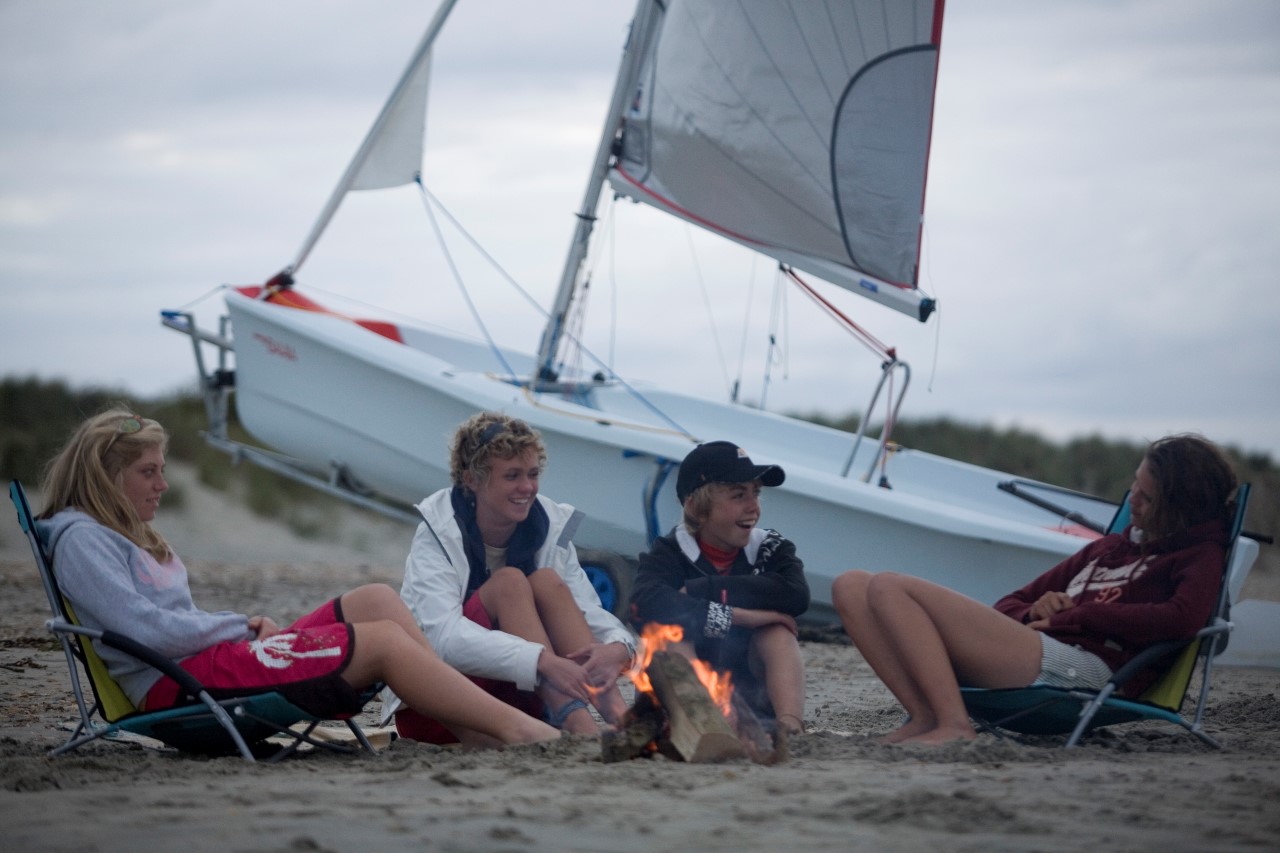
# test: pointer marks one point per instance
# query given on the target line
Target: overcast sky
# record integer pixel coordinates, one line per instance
(1102, 220)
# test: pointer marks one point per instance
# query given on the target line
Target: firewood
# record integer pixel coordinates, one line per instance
(637, 732)
(696, 730)
(761, 746)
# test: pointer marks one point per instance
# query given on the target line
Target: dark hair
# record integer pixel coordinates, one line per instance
(1195, 481)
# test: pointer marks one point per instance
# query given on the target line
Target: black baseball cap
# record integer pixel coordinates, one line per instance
(722, 462)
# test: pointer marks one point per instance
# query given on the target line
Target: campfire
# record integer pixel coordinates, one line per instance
(686, 710)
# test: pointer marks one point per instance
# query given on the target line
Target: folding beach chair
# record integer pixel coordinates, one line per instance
(1054, 711)
(208, 726)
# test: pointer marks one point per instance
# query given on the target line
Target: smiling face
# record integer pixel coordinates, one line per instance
(505, 497)
(143, 483)
(733, 512)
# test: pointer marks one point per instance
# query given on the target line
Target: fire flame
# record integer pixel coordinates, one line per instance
(655, 638)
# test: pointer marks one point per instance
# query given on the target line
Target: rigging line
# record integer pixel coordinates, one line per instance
(869, 340)
(774, 353)
(479, 248)
(611, 230)
(927, 248)
(746, 325)
(536, 400)
(466, 296)
(545, 314)
(706, 304)
(202, 297)
(576, 322)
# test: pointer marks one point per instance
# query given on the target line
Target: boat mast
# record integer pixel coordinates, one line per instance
(371, 140)
(643, 25)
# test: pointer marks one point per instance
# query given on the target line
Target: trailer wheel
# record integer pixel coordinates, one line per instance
(612, 575)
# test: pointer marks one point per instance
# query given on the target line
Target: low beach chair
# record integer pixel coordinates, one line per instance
(1056, 711)
(263, 725)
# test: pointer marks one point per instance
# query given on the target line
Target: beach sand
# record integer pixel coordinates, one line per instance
(1141, 787)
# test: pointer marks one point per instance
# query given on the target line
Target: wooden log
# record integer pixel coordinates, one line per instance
(761, 746)
(696, 730)
(637, 732)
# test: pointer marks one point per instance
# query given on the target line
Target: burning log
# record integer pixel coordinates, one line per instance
(638, 734)
(761, 746)
(687, 711)
(679, 719)
(697, 730)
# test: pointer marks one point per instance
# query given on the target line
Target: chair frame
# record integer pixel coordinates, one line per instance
(1102, 708)
(208, 725)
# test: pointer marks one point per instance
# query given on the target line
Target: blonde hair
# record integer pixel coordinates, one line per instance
(88, 475)
(697, 507)
(488, 436)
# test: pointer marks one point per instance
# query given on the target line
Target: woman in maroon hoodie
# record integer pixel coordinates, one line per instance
(1071, 627)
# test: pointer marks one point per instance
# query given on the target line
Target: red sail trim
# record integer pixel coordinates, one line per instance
(293, 299)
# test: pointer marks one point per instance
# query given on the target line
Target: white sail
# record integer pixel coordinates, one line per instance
(799, 129)
(391, 154)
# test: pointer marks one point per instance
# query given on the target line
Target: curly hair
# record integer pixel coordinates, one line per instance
(487, 436)
(1195, 483)
(88, 474)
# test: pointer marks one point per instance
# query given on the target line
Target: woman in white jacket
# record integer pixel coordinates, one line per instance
(493, 580)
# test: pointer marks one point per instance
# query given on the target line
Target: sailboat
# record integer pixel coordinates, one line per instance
(798, 130)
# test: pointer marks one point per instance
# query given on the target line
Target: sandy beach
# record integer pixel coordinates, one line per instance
(1141, 787)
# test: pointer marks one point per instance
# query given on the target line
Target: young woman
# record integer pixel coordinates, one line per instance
(1071, 627)
(104, 489)
(494, 581)
(735, 588)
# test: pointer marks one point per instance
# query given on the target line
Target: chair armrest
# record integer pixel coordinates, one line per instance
(190, 686)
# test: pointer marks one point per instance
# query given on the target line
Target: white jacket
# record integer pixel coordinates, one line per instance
(435, 584)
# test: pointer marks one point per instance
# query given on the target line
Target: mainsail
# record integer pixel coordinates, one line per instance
(799, 129)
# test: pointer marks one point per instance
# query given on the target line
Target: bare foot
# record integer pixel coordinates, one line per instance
(942, 734)
(911, 728)
(791, 724)
(611, 705)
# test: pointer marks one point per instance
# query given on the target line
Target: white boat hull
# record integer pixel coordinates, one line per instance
(325, 390)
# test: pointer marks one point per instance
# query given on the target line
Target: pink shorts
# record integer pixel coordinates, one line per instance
(411, 724)
(304, 663)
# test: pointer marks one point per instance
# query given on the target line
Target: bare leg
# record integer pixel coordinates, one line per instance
(508, 597)
(376, 602)
(384, 652)
(775, 653)
(849, 594)
(969, 638)
(569, 632)
(940, 637)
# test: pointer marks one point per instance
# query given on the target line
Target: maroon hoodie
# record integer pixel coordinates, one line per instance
(1129, 595)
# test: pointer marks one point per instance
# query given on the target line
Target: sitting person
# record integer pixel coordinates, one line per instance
(119, 574)
(735, 588)
(494, 581)
(1071, 627)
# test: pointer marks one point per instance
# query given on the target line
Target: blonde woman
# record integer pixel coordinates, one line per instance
(104, 489)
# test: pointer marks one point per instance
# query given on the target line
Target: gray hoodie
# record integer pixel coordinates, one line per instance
(113, 585)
